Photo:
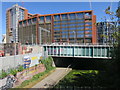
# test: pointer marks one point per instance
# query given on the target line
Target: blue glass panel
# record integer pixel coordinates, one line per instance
(87, 16)
(80, 15)
(57, 22)
(79, 35)
(56, 25)
(71, 32)
(29, 21)
(25, 22)
(88, 23)
(20, 23)
(56, 28)
(80, 28)
(72, 16)
(64, 21)
(88, 35)
(48, 18)
(42, 19)
(80, 31)
(56, 17)
(34, 19)
(71, 36)
(64, 16)
(63, 32)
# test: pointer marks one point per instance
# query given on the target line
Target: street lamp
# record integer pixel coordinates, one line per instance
(74, 36)
(40, 29)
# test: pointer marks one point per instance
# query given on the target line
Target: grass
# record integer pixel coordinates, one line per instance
(36, 78)
(79, 78)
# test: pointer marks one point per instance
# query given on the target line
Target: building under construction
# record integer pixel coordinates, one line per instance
(72, 27)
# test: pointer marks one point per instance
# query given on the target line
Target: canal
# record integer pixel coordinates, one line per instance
(85, 72)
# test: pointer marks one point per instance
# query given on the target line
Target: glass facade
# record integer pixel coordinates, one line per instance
(74, 27)
(105, 31)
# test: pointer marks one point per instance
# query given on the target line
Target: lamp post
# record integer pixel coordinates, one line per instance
(74, 36)
(40, 29)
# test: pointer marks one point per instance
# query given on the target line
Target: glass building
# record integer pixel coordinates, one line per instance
(13, 15)
(105, 31)
(71, 27)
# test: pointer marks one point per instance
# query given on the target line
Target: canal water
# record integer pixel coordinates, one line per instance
(85, 73)
(79, 78)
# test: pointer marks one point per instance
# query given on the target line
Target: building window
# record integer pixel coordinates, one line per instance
(81, 32)
(72, 16)
(87, 16)
(29, 21)
(88, 35)
(88, 31)
(79, 15)
(88, 23)
(56, 17)
(57, 22)
(56, 25)
(88, 40)
(71, 36)
(48, 19)
(41, 19)
(64, 16)
(24, 23)
(20, 23)
(80, 35)
(56, 29)
(34, 20)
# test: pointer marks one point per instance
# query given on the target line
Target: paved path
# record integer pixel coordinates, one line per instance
(53, 78)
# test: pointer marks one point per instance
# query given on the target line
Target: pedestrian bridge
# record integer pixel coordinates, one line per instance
(81, 51)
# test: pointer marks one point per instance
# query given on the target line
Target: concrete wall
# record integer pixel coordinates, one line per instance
(13, 61)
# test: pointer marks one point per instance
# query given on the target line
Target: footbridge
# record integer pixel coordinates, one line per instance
(81, 51)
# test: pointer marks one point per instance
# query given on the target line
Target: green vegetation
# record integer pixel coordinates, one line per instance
(20, 68)
(36, 78)
(12, 71)
(47, 62)
(110, 78)
(3, 74)
(79, 78)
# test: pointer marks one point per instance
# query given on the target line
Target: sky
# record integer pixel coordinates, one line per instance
(58, 7)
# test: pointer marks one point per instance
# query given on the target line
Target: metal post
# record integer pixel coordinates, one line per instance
(74, 36)
(32, 39)
(40, 29)
(40, 35)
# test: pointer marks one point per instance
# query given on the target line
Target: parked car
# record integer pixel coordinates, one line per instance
(1, 53)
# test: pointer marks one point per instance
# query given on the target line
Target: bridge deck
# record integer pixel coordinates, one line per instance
(84, 51)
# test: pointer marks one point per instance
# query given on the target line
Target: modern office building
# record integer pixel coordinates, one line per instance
(72, 27)
(13, 15)
(105, 31)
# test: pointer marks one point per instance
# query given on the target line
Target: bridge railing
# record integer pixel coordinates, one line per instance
(90, 51)
(77, 44)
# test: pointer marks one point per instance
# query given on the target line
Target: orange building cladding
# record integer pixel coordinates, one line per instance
(72, 27)
(13, 15)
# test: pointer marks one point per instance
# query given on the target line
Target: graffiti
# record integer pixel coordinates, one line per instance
(9, 83)
(27, 61)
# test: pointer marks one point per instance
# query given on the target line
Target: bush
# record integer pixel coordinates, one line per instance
(48, 63)
(3, 74)
(20, 68)
(13, 72)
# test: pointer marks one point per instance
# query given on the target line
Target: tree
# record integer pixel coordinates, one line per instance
(112, 74)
